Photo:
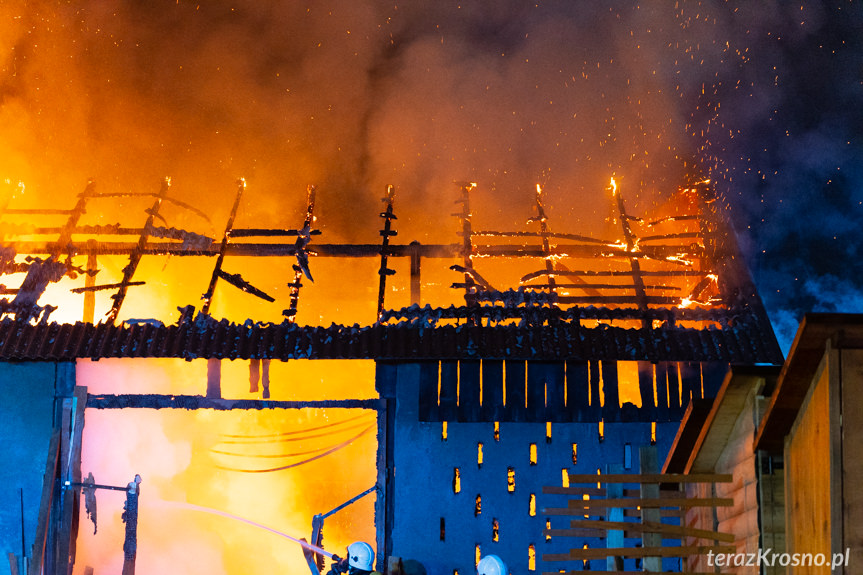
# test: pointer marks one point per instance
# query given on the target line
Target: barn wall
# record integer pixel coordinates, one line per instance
(27, 421)
(424, 498)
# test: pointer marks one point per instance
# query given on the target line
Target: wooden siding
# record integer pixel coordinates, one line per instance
(808, 477)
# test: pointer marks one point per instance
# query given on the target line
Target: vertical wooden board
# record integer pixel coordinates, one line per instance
(712, 374)
(469, 392)
(577, 390)
(808, 473)
(595, 407)
(673, 385)
(852, 421)
(690, 372)
(661, 391)
(385, 379)
(536, 390)
(492, 390)
(614, 538)
(555, 381)
(649, 464)
(515, 374)
(428, 400)
(448, 390)
(611, 406)
(645, 386)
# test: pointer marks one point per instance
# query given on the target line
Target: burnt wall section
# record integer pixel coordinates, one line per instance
(560, 392)
(461, 485)
(33, 394)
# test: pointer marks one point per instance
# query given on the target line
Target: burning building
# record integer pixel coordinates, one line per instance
(569, 354)
(444, 388)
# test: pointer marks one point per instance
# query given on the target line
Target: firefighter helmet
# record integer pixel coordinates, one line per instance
(491, 565)
(361, 556)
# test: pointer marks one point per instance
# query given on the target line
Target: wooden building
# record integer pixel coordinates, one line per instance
(791, 438)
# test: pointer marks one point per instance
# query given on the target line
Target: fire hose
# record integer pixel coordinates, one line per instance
(302, 542)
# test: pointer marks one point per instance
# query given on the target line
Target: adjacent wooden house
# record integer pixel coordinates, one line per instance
(791, 438)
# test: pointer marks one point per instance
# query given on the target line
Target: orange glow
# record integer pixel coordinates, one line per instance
(193, 457)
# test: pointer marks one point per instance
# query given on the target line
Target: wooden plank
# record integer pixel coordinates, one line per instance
(651, 527)
(682, 551)
(428, 392)
(448, 403)
(555, 386)
(595, 407)
(469, 392)
(687, 434)
(690, 372)
(650, 502)
(492, 390)
(611, 390)
(648, 463)
(673, 385)
(515, 393)
(536, 390)
(661, 370)
(852, 463)
(579, 491)
(68, 536)
(652, 478)
(807, 469)
(578, 390)
(615, 515)
(645, 387)
(38, 553)
(585, 533)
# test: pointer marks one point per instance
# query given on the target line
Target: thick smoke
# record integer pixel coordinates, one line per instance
(351, 96)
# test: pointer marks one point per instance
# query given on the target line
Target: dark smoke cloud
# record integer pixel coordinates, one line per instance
(764, 97)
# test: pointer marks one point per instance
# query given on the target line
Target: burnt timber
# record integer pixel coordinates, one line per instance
(745, 339)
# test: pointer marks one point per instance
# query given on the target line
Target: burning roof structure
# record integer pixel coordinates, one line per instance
(666, 285)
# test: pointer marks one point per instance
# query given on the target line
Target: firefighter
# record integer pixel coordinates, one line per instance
(491, 565)
(360, 561)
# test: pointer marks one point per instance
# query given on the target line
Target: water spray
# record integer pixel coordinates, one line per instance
(303, 543)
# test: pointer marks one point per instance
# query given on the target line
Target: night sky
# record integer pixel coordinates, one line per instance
(762, 97)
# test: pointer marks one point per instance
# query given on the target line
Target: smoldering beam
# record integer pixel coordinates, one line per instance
(367, 250)
(154, 401)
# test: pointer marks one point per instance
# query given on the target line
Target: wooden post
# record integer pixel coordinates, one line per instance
(614, 539)
(384, 271)
(208, 295)
(415, 272)
(265, 378)
(130, 518)
(214, 378)
(649, 464)
(467, 244)
(90, 281)
(13, 563)
(254, 374)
